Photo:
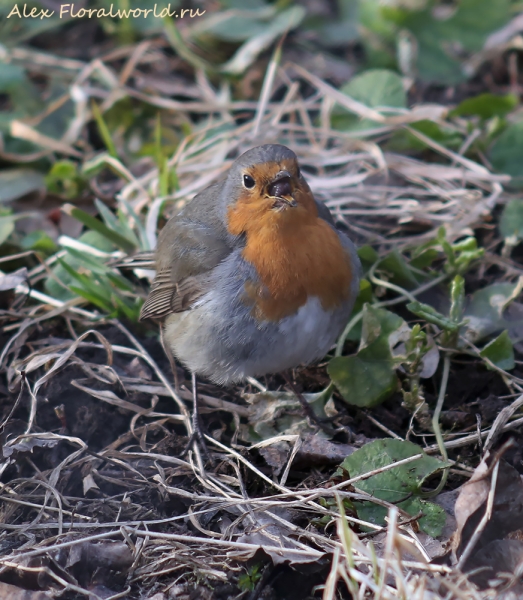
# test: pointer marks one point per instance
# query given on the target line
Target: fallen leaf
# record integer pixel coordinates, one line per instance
(12, 280)
(400, 485)
(27, 445)
(507, 512)
(89, 484)
(268, 532)
(316, 450)
(279, 413)
(276, 455)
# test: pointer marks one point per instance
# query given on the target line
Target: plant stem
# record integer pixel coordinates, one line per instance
(436, 427)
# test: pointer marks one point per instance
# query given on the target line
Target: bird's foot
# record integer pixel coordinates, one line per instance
(197, 437)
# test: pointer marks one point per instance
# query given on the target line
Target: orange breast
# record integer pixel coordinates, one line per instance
(296, 255)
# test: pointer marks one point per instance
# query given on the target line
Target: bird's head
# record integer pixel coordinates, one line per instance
(268, 190)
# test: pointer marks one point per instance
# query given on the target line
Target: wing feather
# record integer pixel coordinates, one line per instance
(167, 297)
(190, 246)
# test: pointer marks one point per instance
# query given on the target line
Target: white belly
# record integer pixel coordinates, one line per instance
(228, 346)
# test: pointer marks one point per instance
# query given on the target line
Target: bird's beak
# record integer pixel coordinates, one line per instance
(280, 188)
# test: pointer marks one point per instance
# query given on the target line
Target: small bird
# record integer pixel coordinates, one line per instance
(252, 276)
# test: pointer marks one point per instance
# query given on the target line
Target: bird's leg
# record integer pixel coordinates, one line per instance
(197, 430)
(196, 423)
(197, 434)
(170, 356)
(311, 416)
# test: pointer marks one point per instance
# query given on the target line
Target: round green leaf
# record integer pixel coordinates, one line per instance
(486, 106)
(377, 87)
(511, 221)
(506, 152)
(400, 485)
(500, 351)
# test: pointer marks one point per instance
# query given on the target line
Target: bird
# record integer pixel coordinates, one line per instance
(252, 275)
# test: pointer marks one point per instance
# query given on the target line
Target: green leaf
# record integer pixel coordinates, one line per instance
(109, 218)
(247, 581)
(368, 378)
(286, 20)
(233, 26)
(500, 351)
(364, 296)
(403, 140)
(395, 484)
(143, 242)
(378, 34)
(7, 226)
(10, 76)
(339, 31)
(442, 43)
(181, 47)
(431, 522)
(374, 18)
(378, 325)
(7, 223)
(64, 179)
(119, 282)
(486, 106)
(119, 223)
(457, 299)
(376, 88)
(40, 241)
(94, 299)
(88, 284)
(97, 287)
(88, 261)
(52, 287)
(86, 276)
(505, 153)
(424, 259)
(104, 130)
(118, 240)
(397, 267)
(126, 308)
(15, 183)
(367, 255)
(430, 314)
(96, 240)
(511, 220)
(485, 312)
(123, 225)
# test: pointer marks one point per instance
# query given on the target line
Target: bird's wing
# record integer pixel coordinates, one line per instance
(168, 297)
(190, 246)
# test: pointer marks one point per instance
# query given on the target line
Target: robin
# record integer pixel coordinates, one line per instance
(252, 276)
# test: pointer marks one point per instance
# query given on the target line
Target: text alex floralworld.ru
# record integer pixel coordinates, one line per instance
(69, 11)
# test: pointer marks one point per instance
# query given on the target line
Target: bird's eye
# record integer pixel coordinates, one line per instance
(248, 182)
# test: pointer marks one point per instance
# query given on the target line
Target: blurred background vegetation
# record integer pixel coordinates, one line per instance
(74, 129)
